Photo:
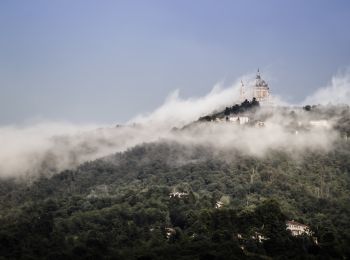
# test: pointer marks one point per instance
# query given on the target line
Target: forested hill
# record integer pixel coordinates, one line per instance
(245, 106)
(120, 207)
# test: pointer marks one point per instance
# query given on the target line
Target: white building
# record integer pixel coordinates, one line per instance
(261, 89)
(242, 120)
(219, 204)
(176, 194)
(297, 228)
(232, 118)
(169, 232)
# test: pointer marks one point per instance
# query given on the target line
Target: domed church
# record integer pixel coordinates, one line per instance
(261, 89)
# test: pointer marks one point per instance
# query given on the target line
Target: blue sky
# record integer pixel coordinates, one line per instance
(107, 61)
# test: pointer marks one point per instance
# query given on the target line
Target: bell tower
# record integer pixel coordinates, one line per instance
(242, 92)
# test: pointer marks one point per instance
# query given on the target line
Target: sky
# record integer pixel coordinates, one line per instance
(108, 61)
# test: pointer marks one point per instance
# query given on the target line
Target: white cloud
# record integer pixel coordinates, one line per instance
(177, 111)
(337, 92)
(51, 147)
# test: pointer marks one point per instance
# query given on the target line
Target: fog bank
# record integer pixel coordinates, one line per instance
(47, 148)
(337, 91)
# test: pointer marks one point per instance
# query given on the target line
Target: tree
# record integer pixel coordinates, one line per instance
(307, 108)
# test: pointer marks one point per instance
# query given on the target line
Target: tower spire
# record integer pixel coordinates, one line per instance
(258, 74)
(242, 92)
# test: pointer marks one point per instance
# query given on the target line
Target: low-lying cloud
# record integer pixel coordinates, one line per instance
(47, 148)
(337, 92)
(176, 111)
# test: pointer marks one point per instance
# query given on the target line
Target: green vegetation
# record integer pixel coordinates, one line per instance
(245, 106)
(120, 207)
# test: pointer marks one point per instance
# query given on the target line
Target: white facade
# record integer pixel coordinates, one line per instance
(169, 232)
(297, 228)
(219, 204)
(239, 119)
(177, 194)
(243, 120)
(233, 118)
(261, 90)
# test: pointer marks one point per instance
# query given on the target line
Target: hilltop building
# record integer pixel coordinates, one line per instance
(261, 90)
(241, 120)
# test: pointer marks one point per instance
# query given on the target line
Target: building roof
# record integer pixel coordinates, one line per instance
(260, 82)
(292, 222)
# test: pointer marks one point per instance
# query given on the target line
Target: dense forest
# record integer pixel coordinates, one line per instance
(160, 201)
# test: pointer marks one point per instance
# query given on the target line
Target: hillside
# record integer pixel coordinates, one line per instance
(160, 200)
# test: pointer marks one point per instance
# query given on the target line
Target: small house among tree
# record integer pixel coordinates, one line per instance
(297, 228)
(177, 194)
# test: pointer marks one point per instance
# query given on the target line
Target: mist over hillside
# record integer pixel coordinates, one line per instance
(180, 130)
(47, 148)
(203, 178)
(167, 200)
